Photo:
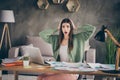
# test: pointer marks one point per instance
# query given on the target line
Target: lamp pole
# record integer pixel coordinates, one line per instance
(5, 32)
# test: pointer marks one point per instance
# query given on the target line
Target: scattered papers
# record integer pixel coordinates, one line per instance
(99, 66)
(86, 67)
(94, 65)
(70, 66)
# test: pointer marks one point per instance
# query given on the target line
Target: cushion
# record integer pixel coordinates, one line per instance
(45, 48)
(29, 45)
(13, 52)
(24, 48)
(91, 55)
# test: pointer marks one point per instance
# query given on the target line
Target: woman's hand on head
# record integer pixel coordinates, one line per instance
(74, 27)
(59, 26)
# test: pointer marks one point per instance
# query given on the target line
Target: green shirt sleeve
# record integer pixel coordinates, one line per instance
(85, 31)
(47, 34)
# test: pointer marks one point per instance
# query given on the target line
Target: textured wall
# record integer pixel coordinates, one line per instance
(30, 20)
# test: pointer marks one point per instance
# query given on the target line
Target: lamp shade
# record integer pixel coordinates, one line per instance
(100, 36)
(7, 16)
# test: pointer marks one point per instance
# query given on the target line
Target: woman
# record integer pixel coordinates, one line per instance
(68, 45)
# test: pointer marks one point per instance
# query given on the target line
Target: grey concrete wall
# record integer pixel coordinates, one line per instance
(30, 20)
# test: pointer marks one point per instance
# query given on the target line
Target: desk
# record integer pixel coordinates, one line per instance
(48, 69)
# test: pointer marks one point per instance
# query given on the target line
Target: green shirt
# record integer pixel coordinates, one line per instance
(82, 34)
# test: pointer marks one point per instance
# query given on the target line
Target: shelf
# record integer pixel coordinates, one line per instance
(43, 4)
(73, 5)
(58, 1)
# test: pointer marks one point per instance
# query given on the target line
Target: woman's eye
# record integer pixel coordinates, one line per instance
(63, 26)
(68, 26)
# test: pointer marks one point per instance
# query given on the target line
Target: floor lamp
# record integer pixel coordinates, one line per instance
(6, 16)
(100, 36)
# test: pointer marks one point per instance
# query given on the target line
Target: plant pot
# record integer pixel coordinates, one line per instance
(26, 63)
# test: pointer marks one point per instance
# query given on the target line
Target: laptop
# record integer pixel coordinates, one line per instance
(35, 55)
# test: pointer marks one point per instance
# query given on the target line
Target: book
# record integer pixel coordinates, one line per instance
(12, 62)
(16, 63)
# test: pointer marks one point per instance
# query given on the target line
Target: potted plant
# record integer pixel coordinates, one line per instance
(111, 47)
(26, 61)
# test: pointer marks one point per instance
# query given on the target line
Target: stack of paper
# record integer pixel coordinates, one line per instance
(11, 62)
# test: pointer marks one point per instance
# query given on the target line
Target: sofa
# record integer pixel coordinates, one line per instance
(46, 49)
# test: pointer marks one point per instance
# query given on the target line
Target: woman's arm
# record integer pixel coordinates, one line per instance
(47, 34)
(85, 31)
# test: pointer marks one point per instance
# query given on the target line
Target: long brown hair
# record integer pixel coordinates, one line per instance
(61, 35)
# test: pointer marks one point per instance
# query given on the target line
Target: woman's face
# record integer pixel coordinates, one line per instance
(66, 29)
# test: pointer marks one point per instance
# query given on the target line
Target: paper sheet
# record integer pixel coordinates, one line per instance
(99, 66)
(71, 66)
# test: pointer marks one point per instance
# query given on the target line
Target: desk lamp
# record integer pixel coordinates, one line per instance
(100, 36)
(6, 16)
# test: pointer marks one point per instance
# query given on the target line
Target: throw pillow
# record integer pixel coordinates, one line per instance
(45, 48)
(13, 52)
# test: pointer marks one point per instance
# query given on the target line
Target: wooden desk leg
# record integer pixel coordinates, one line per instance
(16, 75)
